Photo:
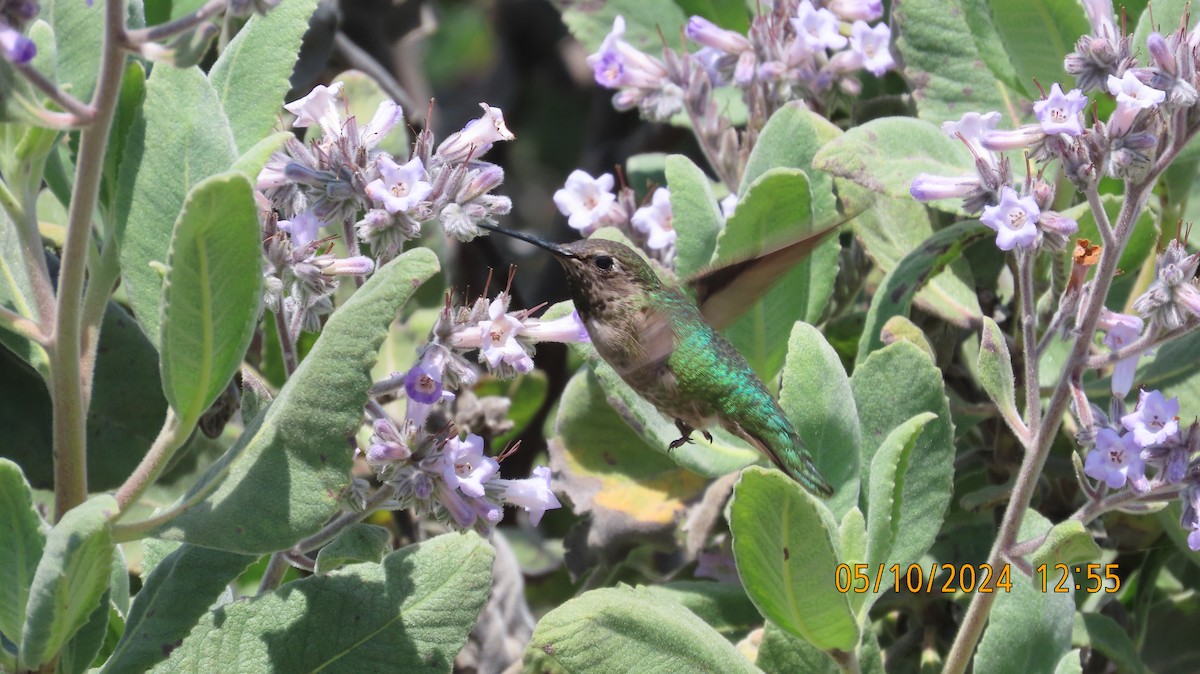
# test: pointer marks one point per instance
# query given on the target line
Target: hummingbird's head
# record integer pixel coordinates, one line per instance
(603, 276)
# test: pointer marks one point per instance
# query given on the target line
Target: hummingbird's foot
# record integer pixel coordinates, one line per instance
(707, 435)
(686, 434)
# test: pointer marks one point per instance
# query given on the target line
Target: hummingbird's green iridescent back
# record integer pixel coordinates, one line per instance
(659, 343)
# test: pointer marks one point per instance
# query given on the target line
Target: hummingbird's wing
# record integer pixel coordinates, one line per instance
(726, 292)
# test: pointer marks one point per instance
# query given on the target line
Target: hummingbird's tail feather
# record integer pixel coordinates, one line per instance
(796, 463)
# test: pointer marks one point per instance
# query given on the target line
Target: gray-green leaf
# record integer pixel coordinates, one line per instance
(21, 531)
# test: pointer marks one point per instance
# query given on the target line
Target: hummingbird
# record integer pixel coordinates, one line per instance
(666, 346)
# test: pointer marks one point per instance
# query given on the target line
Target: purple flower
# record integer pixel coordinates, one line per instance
(618, 64)
(533, 494)
(1191, 514)
(387, 443)
(1014, 220)
(1100, 15)
(1059, 113)
(1154, 420)
(400, 187)
(319, 108)
(871, 44)
(586, 201)
(705, 32)
(356, 265)
(14, 46)
(465, 467)
(655, 220)
(302, 228)
(569, 328)
(423, 383)
(1115, 459)
(927, 187)
(1122, 329)
(476, 137)
(817, 29)
(1132, 98)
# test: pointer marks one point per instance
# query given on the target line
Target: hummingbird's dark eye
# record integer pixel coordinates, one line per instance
(603, 262)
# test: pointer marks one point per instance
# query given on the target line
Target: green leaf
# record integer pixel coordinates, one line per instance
(1028, 630)
(816, 396)
(71, 577)
(626, 629)
(527, 395)
(728, 15)
(180, 139)
(895, 295)
(252, 161)
(791, 139)
(411, 613)
(884, 155)
(16, 294)
(21, 531)
(783, 543)
(889, 473)
(1036, 35)
(252, 74)
(212, 293)
(889, 229)
(781, 652)
(79, 651)
(724, 606)
(1103, 635)
(630, 487)
(1160, 15)
(1068, 542)
(777, 207)
(78, 33)
(894, 385)
(129, 107)
(174, 596)
(590, 23)
(603, 390)
(697, 217)
(289, 466)
(358, 543)
(1071, 663)
(947, 50)
(994, 369)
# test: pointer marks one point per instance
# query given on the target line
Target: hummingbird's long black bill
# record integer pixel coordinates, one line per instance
(528, 238)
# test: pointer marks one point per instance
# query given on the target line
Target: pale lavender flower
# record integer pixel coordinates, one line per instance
(871, 44)
(533, 493)
(423, 383)
(1191, 515)
(1154, 420)
(303, 228)
(400, 187)
(1115, 460)
(497, 338)
(586, 201)
(618, 64)
(388, 444)
(355, 265)
(1100, 15)
(1122, 329)
(320, 108)
(1132, 98)
(568, 329)
(927, 187)
(1060, 113)
(462, 512)
(728, 206)
(655, 220)
(706, 33)
(817, 29)
(850, 10)
(477, 137)
(1016, 139)
(465, 467)
(1014, 220)
(971, 128)
(386, 117)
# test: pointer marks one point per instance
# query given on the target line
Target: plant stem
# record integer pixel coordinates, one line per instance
(135, 38)
(1029, 341)
(170, 438)
(80, 113)
(1044, 433)
(95, 301)
(287, 347)
(66, 385)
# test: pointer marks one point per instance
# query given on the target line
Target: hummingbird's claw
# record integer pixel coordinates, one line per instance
(686, 434)
(707, 435)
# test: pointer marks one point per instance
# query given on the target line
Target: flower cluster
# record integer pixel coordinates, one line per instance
(436, 470)
(798, 50)
(1150, 437)
(590, 203)
(14, 14)
(343, 180)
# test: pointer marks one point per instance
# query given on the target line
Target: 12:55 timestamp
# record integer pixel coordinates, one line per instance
(1092, 580)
